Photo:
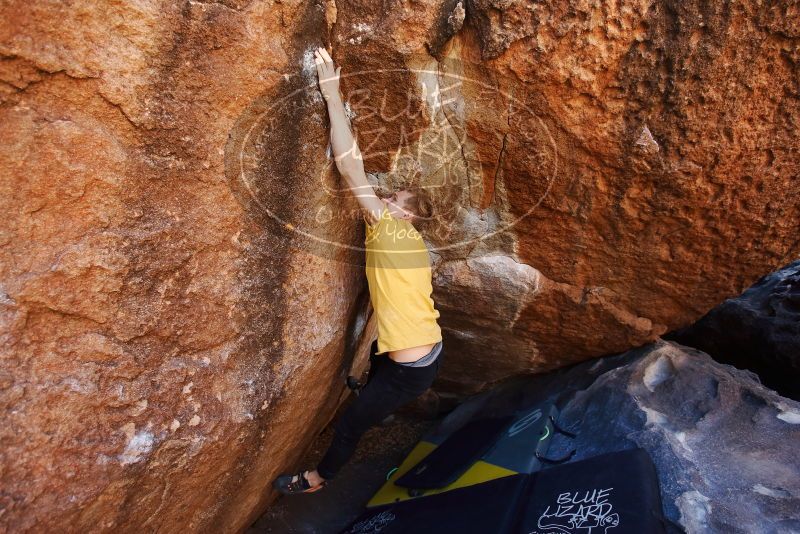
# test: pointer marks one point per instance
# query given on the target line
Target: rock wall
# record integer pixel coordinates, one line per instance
(168, 348)
(181, 282)
(647, 150)
(628, 166)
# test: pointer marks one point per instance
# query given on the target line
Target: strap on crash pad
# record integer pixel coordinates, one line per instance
(556, 429)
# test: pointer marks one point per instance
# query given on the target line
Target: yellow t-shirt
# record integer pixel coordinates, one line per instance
(399, 278)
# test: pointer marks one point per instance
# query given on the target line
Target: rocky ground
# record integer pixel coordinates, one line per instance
(337, 505)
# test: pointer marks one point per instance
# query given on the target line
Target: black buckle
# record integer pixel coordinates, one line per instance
(354, 384)
(567, 456)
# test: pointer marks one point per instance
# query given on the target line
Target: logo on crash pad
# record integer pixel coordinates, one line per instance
(524, 422)
(374, 523)
(579, 512)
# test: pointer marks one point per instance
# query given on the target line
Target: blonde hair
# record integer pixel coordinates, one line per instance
(421, 205)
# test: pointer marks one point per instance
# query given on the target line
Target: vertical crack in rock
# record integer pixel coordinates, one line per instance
(499, 170)
(331, 17)
(449, 22)
(272, 253)
(457, 132)
(172, 141)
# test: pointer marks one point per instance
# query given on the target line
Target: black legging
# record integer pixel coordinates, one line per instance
(389, 386)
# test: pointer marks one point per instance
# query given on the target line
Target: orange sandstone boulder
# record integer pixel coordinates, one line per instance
(168, 347)
(604, 174)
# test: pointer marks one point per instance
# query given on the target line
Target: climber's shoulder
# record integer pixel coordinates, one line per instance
(373, 216)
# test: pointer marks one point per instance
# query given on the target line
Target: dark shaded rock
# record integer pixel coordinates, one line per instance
(759, 330)
(723, 444)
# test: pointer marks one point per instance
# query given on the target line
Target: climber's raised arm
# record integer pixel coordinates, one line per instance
(345, 149)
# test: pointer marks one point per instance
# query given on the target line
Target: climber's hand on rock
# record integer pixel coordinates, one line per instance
(328, 73)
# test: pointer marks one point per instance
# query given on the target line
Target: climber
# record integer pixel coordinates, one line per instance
(399, 280)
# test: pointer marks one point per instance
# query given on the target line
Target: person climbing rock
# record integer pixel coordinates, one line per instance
(399, 278)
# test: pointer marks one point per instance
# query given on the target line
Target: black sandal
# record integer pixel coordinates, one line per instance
(296, 483)
(354, 384)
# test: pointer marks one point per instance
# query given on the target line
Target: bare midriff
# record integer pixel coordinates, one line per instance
(410, 354)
